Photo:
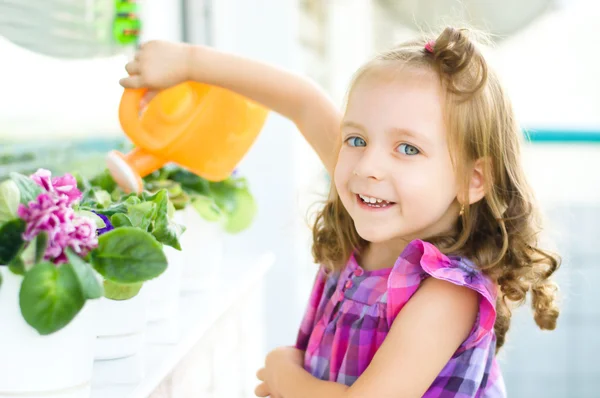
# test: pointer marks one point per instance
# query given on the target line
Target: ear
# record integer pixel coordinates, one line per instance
(477, 183)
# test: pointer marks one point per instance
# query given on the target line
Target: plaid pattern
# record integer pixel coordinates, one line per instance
(350, 313)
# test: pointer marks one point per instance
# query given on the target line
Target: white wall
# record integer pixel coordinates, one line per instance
(161, 20)
(267, 30)
(65, 98)
(551, 69)
(46, 97)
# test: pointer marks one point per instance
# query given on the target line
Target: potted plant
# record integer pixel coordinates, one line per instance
(210, 210)
(61, 250)
(161, 294)
(122, 320)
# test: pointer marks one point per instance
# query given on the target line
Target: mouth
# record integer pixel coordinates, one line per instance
(371, 202)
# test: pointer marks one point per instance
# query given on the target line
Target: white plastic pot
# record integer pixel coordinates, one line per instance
(202, 247)
(120, 326)
(163, 291)
(58, 365)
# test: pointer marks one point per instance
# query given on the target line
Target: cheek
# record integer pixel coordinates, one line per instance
(343, 171)
(425, 186)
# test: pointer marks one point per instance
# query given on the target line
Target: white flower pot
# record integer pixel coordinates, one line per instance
(34, 366)
(163, 295)
(163, 291)
(120, 326)
(202, 247)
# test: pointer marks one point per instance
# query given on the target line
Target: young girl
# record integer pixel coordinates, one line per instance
(429, 236)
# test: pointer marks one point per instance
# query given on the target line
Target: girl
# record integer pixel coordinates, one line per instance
(429, 236)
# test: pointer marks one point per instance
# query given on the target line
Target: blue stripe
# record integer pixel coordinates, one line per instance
(563, 136)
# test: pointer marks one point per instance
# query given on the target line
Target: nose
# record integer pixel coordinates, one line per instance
(371, 164)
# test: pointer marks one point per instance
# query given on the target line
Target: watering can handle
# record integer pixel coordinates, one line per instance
(129, 111)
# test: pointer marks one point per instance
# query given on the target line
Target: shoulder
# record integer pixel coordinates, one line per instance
(421, 260)
(453, 283)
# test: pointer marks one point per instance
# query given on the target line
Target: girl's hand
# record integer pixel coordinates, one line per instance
(277, 361)
(263, 390)
(158, 65)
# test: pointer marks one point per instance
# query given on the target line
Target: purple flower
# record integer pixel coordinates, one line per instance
(108, 224)
(62, 186)
(51, 212)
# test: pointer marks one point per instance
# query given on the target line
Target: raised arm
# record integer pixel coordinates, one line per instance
(159, 65)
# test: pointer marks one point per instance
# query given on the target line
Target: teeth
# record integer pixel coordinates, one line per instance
(373, 201)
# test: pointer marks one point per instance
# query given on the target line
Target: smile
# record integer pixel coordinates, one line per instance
(372, 202)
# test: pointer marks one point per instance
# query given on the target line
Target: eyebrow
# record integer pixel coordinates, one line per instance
(353, 125)
(394, 131)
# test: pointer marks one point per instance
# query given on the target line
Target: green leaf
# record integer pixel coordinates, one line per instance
(50, 297)
(28, 189)
(9, 200)
(241, 216)
(26, 259)
(223, 192)
(30, 254)
(11, 240)
(41, 243)
(173, 188)
(90, 285)
(105, 181)
(17, 266)
(115, 208)
(165, 230)
(190, 182)
(82, 183)
(131, 200)
(120, 220)
(181, 201)
(120, 291)
(128, 255)
(207, 208)
(142, 215)
(102, 198)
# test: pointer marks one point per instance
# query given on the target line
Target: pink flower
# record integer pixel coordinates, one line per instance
(84, 238)
(62, 186)
(51, 212)
(46, 213)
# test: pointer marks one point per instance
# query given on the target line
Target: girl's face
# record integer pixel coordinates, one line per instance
(394, 174)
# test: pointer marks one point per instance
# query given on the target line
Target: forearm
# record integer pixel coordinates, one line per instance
(294, 382)
(284, 92)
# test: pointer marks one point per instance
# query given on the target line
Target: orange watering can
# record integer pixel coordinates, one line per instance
(203, 128)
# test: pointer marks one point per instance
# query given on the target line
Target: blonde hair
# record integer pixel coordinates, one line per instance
(498, 233)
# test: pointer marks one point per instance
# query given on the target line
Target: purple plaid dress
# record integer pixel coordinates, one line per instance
(350, 313)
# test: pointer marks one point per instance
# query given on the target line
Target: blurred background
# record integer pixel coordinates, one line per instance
(62, 59)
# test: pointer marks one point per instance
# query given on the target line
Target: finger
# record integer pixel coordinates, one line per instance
(133, 68)
(148, 97)
(262, 390)
(134, 81)
(260, 374)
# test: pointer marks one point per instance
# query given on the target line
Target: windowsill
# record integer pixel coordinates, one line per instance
(140, 375)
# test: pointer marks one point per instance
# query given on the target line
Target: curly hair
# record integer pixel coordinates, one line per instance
(500, 232)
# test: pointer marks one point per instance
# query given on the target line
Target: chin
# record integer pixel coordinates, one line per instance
(374, 234)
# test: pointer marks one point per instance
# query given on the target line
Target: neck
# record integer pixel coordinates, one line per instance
(381, 255)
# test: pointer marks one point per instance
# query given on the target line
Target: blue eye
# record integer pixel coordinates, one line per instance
(407, 149)
(356, 141)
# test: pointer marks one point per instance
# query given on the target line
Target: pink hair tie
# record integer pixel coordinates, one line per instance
(429, 46)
